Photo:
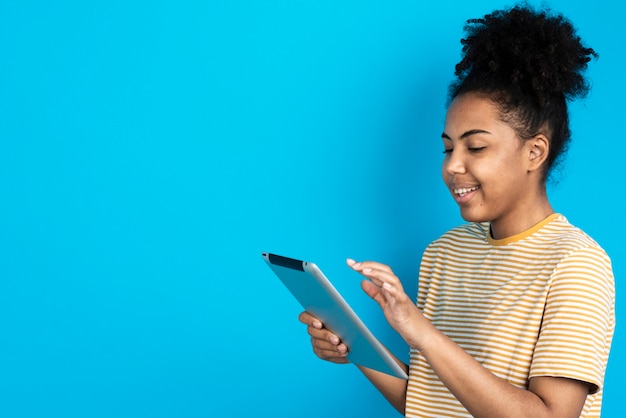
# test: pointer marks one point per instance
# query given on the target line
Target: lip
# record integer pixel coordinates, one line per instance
(465, 197)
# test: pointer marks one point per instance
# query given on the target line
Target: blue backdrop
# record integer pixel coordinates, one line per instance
(150, 151)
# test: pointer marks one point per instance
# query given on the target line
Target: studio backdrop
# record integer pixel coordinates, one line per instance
(151, 150)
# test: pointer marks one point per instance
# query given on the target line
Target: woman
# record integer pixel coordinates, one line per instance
(515, 309)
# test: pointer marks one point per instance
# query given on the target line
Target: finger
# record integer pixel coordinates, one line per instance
(324, 335)
(379, 278)
(374, 292)
(327, 350)
(394, 294)
(310, 320)
(372, 269)
(390, 292)
(359, 266)
(332, 357)
(367, 269)
(338, 348)
(384, 294)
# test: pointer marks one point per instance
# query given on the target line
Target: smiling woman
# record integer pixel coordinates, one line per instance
(492, 174)
(515, 309)
(149, 151)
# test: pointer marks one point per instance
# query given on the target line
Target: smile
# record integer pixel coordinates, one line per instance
(463, 191)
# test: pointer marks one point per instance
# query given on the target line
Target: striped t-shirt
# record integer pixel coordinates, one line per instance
(540, 303)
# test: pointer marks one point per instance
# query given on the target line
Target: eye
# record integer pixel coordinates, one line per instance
(447, 151)
(476, 149)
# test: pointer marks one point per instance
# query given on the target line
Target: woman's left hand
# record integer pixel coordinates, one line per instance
(386, 289)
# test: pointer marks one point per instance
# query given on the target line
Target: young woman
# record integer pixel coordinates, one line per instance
(515, 309)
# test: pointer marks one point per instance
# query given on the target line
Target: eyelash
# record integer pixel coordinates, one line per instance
(476, 149)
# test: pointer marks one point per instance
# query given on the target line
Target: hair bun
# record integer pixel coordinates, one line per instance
(523, 51)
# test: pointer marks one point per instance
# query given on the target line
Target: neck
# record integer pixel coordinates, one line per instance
(523, 219)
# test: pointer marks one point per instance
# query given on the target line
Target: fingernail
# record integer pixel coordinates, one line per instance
(367, 270)
(317, 324)
(350, 261)
(334, 340)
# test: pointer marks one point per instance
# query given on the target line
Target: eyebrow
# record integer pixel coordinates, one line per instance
(468, 133)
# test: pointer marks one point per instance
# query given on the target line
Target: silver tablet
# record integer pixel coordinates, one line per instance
(319, 297)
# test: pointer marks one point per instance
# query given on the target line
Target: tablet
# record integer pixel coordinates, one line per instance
(320, 298)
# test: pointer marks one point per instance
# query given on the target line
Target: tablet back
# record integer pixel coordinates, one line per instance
(320, 298)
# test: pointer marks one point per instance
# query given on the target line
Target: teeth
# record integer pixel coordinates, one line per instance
(463, 191)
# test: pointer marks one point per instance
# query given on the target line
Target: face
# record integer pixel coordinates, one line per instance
(486, 166)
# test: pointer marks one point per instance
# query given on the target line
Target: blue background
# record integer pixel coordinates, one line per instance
(150, 151)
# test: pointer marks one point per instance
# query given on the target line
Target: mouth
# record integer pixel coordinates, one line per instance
(463, 191)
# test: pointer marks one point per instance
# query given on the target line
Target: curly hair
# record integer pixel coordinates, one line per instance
(530, 63)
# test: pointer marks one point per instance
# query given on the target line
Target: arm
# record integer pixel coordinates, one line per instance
(485, 395)
(392, 388)
(328, 346)
(481, 392)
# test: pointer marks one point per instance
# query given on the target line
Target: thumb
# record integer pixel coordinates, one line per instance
(373, 292)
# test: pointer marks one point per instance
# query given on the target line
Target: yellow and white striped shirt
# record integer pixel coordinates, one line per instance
(540, 303)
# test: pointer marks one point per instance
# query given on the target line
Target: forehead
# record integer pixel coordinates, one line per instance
(471, 114)
(472, 111)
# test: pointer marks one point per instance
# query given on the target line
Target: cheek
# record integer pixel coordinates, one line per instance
(492, 178)
(498, 168)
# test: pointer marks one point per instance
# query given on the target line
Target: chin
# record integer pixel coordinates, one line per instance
(469, 216)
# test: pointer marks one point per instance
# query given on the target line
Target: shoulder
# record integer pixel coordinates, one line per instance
(583, 265)
(569, 240)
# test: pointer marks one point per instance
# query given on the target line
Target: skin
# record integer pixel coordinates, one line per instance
(483, 152)
(503, 182)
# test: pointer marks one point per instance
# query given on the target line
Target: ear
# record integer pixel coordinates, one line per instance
(537, 150)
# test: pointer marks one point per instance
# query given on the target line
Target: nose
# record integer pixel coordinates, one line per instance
(453, 163)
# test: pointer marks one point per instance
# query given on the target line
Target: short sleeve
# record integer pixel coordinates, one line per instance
(579, 319)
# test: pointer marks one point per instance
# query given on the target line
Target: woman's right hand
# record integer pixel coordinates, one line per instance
(326, 345)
